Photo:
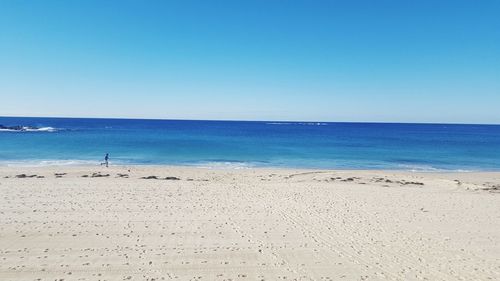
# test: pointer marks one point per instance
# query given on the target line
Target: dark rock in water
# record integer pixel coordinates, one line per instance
(172, 178)
(18, 128)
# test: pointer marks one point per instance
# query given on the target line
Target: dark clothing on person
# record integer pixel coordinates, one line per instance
(106, 160)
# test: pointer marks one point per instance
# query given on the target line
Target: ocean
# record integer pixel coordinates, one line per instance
(242, 144)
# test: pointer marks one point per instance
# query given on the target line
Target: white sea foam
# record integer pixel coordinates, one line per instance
(278, 123)
(224, 165)
(30, 129)
(428, 168)
(44, 129)
(42, 163)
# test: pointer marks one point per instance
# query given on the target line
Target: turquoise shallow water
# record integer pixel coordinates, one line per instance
(429, 147)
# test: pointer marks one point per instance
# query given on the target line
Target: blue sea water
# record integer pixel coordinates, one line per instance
(428, 147)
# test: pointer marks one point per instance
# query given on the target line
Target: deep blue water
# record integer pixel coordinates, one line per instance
(241, 144)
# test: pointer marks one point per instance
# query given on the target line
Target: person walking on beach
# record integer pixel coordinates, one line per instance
(106, 160)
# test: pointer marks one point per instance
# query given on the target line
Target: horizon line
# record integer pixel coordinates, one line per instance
(239, 120)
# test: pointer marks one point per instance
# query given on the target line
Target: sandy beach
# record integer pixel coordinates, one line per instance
(183, 223)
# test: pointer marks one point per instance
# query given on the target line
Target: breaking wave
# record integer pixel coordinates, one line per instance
(27, 129)
(43, 163)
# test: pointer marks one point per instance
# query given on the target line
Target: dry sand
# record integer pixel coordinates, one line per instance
(250, 224)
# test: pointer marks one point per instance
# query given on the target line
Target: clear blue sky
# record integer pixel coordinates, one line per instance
(388, 61)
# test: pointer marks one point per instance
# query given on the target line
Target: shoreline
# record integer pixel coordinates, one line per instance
(230, 166)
